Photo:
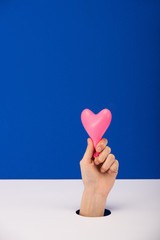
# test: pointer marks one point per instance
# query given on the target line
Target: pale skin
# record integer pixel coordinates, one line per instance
(98, 176)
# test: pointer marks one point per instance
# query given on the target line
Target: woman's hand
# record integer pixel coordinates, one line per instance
(98, 176)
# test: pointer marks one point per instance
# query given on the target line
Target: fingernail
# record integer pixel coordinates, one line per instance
(98, 149)
(102, 170)
(96, 162)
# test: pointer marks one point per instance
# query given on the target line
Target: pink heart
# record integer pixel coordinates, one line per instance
(96, 124)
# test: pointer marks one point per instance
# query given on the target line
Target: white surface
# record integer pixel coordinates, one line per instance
(45, 209)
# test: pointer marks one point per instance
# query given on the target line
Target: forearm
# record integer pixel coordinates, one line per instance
(92, 204)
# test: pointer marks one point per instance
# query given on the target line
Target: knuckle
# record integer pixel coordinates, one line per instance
(102, 146)
(111, 156)
(98, 146)
(108, 149)
(103, 169)
(80, 162)
(99, 160)
(117, 163)
(115, 168)
(102, 143)
(105, 141)
(114, 171)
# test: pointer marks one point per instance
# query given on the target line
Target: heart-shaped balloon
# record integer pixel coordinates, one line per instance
(96, 124)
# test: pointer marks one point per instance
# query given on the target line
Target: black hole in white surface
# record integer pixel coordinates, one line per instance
(106, 212)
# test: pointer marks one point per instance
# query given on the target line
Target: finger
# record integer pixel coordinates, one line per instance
(108, 163)
(101, 145)
(103, 155)
(89, 151)
(114, 168)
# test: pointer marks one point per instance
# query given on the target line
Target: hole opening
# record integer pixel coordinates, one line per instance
(107, 212)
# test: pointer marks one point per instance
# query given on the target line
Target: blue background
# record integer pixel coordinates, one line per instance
(60, 57)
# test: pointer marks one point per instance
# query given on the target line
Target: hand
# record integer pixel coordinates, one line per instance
(98, 176)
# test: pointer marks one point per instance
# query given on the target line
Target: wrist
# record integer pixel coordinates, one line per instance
(93, 203)
(96, 191)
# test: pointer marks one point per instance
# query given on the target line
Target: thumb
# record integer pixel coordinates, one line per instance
(89, 151)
